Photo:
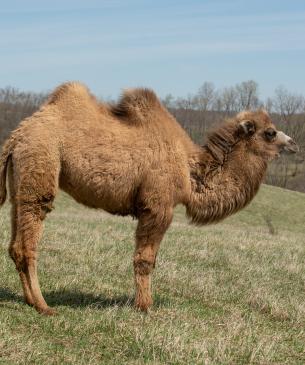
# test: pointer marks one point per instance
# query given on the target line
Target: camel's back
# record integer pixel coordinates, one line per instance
(73, 119)
(137, 120)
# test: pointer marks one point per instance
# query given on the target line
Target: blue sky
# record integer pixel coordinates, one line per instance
(170, 46)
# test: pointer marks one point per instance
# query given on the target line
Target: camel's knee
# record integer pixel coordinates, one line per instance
(46, 205)
(143, 266)
(32, 208)
(38, 209)
(144, 259)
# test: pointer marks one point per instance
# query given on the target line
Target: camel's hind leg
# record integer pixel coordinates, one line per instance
(15, 248)
(24, 253)
(16, 253)
(31, 198)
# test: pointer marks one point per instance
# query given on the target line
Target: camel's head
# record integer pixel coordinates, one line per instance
(262, 137)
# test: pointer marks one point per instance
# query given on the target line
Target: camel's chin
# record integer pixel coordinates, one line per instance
(273, 157)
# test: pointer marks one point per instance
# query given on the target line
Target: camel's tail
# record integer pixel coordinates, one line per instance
(4, 157)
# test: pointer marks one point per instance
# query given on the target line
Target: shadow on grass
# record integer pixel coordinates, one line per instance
(7, 294)
(77, 299)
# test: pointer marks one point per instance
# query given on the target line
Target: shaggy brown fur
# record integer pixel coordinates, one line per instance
(132, 158)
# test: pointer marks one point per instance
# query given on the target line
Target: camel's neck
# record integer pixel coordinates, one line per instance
(222, 184)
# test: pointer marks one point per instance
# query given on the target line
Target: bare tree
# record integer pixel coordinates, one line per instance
(247, 95)
(169, 101)
(287, 104)
(229, 98)
(269, 105)
(205, 96)
(15, 106)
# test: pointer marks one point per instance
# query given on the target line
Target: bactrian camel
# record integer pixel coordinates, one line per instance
(131, 158)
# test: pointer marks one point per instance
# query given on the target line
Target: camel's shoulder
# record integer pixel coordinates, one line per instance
(137, 106)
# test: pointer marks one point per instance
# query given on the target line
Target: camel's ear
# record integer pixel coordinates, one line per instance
(247, 127)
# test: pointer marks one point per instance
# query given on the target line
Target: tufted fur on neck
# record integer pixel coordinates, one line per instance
(224, 175)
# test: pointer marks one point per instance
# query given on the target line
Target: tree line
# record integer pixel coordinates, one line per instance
(199, 112)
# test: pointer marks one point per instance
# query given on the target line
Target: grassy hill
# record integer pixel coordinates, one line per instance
(232, 293)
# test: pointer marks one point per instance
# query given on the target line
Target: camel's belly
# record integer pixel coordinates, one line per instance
(111, 192)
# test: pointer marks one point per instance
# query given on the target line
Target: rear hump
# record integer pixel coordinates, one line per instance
(137, 106)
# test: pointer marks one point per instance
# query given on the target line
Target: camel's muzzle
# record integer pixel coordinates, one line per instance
(292, 147)
(287, 144)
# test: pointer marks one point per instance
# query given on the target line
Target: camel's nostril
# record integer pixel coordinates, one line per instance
(292, 142)
(292, 146)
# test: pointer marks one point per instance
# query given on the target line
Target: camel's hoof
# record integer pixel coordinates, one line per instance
(143, 307)
(29, 302)
(47, 311)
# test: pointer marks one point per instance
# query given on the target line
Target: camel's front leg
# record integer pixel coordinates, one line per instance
(150, 231)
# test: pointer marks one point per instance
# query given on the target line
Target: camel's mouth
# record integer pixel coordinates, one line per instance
(291, 147)
(288, 148)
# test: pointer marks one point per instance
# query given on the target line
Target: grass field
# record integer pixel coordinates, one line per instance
(233, 293)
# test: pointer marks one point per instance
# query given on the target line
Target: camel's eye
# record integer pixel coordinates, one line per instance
(270, 134)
